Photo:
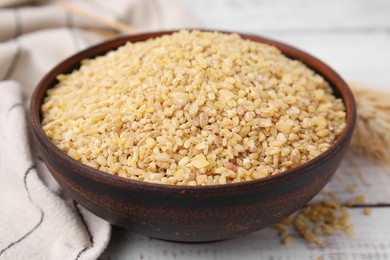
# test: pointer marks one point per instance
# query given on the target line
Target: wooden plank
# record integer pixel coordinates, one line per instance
(371, 241)
(295, 15)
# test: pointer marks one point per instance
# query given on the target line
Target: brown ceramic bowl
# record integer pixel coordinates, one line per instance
(191, 214)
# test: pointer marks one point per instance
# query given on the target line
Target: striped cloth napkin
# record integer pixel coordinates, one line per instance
(38, 220)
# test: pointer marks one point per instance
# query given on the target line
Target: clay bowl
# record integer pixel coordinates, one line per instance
(191, 214)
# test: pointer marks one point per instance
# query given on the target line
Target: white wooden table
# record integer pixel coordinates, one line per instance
(353, 37)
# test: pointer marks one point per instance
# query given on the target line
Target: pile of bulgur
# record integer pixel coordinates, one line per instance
(193, 108)
(315, 220)
(319, 219)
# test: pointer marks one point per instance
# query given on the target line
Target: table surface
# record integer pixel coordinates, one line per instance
(353, 37)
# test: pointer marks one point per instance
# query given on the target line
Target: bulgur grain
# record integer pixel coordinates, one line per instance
(193, 108)
(351, 189)
(317, 220)
(287, 240)
(367, 211)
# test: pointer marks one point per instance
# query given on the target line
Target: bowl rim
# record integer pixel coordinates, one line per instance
(331, 76)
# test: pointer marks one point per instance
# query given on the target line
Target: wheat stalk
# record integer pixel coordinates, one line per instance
(372, 132)
(117, 26)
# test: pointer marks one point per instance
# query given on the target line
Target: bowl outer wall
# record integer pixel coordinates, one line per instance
(183, 213)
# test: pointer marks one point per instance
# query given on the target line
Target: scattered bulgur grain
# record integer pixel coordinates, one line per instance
(316, 220)
(367, 211)
(351, 189)
(327, 229)
(350, 230)
(332, 194)
(360, 198)
(351, 202)
(287, 221)
(317, 230)
(331, 204)
(281, 228)
(288, 240)
(171, 109)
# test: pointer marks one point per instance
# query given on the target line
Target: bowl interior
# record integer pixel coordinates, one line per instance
(340, 88)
